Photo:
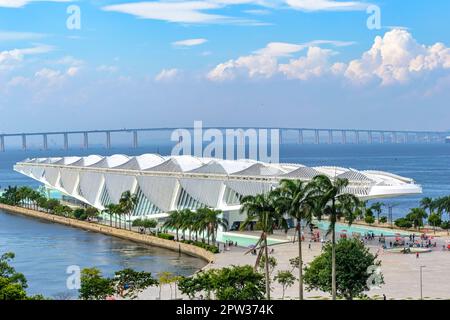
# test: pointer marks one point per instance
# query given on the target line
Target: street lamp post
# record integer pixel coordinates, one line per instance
(421, 282)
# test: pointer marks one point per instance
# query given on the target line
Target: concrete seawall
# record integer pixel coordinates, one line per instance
(120, 233)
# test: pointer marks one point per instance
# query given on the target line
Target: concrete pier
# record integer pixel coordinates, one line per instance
(135, 139)
(85, 140)
(24, 142)
(44, 141)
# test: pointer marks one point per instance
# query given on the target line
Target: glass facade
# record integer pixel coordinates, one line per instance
(105, 199)
(144, 206)
(231, 197)
(185, 201)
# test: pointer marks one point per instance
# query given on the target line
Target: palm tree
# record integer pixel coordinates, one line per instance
(174, 220)
(429, 204)
(198, 222)
(297, 200)
(24, 193)
(262, 208)
(416, 215)
(212, 221)
(378, 208)
(185, 221)
(189, 221)
(332, 202)
(128, 202)
(112, 210)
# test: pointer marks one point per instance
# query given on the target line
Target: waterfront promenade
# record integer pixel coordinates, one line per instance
(115, 232)
(401, 273)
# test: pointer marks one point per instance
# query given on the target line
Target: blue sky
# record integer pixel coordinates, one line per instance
(306, 63)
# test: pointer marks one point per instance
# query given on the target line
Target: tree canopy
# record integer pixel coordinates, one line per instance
(352, 269)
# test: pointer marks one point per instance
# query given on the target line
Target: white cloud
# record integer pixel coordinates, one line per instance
(47, 73)
(72, 71)
(264, 62)
(11, 58)
(23, 3)
(71, 61)
(191, 11)
(279, 49)
(212, 11)
(107, 68)
(17, 36)
(176, 11)
(189, 42)
(258, 12)
(167, 75)
(326, 5)
(396, 58)
(315, 64)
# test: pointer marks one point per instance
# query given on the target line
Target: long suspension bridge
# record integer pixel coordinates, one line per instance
(293, 135)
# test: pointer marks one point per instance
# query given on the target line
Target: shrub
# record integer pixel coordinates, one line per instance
(166, 236)
(369, 219)
(146, 223)
(91, 212)
(205, 246)
(383, 219)
(445, 225)
(137, 222)
(231, 283)
(79, 214)
(403, 223)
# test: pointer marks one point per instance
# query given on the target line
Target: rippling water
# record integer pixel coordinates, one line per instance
(44, 250)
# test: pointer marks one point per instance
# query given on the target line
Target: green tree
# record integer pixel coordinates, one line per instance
(428, 203)
(165, 278)
(112, 210)
(62, 210)
(79, 213)
(174, 221)
(434, 220)
(297, 199)
(91, 212)
(369, 219)
(416, 216)
(262, 208)
(378, 208)
(127, 203)
(10, 196)
(145, 223)
(13, 284)
(445, 225)
(94, 286)
(51, 205)
(353, 269)
(286, 279)
(334, 203)
(403, 223)
(231, 283)
(128, 282)
(272, 264)
(212, 221)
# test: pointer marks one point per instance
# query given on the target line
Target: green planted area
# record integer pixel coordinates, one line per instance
(36, 200)
(209, 247)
